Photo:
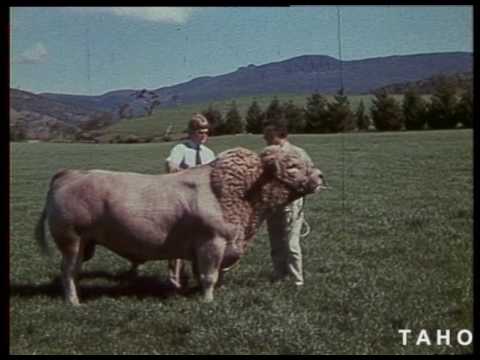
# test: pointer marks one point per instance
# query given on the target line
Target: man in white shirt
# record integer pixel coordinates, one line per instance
(190, 153)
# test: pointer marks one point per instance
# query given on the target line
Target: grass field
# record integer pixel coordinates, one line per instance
(393, 250)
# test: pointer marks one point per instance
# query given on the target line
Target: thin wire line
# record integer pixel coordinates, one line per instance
(339, 37)
(89, 87)
(341, 92)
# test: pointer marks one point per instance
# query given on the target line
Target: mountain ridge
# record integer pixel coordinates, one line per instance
(301, 74)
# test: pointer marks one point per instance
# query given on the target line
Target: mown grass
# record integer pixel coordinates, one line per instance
(391, 248)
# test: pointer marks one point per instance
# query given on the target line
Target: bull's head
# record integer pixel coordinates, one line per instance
(289, 168)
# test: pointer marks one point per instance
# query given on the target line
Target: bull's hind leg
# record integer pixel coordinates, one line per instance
(209, 258)
(72, 251)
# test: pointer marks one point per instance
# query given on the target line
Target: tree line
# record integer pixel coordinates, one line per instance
(446, 109)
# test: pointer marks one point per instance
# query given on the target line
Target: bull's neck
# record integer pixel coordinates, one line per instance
(266, 195)
(248, 210)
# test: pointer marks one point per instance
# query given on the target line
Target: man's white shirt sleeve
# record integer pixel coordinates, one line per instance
(177, 155)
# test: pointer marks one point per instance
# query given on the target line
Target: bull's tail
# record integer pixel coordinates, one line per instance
(40, 233)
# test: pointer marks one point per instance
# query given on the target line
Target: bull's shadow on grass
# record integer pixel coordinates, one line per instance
(124, 285)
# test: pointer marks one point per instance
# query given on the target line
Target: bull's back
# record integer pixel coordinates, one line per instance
(80, 194)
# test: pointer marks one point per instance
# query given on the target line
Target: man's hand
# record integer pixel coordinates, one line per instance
(171, 168)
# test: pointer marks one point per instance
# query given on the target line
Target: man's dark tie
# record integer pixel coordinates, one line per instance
(198, 159)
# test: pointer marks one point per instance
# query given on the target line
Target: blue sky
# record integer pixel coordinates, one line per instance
(136, 48)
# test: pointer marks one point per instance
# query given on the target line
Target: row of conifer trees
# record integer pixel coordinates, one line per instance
(445, 108)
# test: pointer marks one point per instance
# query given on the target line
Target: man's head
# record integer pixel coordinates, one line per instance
(198, 128)
(275, 132)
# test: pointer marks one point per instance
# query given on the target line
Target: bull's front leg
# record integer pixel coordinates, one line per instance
(209, 255)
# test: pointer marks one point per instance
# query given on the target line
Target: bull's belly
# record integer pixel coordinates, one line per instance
(140, 246)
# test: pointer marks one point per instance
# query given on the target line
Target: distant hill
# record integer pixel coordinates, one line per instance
(69, 113)
(303, 74)
(139, 103)
(461, 81)
(107, 102)
(43, 118)
(121, 103)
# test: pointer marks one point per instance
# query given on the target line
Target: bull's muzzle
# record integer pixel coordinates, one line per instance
(319, 180)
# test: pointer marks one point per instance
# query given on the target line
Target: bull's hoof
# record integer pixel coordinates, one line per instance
(207, 298)
(74, 303)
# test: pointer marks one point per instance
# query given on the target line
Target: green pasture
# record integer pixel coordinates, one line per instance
(390, 248)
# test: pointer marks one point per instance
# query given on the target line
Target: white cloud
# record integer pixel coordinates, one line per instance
(37, 54)
(172, 15)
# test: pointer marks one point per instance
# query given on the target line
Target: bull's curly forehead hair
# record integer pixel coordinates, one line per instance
(271, 150)
(276, 152)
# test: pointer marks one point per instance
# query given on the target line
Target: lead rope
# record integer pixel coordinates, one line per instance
(304, 222)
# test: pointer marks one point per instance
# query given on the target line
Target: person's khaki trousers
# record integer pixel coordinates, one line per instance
(284, 227)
